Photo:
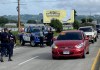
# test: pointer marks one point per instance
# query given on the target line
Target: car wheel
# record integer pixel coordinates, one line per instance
(53, 57)
(32, 43)
(22, 43)
(84, 55)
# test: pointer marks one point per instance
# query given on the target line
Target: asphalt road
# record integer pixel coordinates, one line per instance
(36, 58)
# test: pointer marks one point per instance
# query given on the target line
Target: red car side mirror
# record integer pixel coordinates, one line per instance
(54, 39)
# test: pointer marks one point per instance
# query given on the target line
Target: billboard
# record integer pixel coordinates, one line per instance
(65, 16)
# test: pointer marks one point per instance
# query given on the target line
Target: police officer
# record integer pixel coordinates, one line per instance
(49, 37)
(12, 41)
(41, 39)
(5, 44)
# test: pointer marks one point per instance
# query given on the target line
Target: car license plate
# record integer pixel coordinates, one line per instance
(66, 52)
(26, 38)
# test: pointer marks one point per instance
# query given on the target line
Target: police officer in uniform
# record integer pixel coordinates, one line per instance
(12, 41)
(5, 45)
(50, 37)
(41, 39)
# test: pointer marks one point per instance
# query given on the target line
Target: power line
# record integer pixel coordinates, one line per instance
(34, 1)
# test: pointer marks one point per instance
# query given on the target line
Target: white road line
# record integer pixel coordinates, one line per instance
(17, 48)
(27, 60)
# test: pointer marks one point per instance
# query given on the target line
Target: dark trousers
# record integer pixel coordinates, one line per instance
(11, 47)
(50, 42)
(5, 47)
(41, 41)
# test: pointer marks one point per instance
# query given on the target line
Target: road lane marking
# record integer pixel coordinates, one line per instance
(27, 61)
(16, 48)
(95, 61)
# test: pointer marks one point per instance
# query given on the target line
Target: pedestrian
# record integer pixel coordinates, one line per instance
(50, 37)
(41, 39)
(5, 39)
(12, 41)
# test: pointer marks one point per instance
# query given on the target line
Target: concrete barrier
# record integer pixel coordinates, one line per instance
(96, 63)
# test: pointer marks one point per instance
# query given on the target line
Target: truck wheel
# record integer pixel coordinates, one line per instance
(92, 41)
(95, 39)
(32, 43)
(22, 43)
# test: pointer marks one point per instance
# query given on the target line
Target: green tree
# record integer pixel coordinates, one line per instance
(3, 21)
(75, 13)
(76, 24)
(57, 25)
(31, 21)
(41, 20)
(83, 20)
(89, 20)
(13, 21)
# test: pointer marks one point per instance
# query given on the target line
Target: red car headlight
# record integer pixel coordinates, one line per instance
(79, 45)
(54, 46)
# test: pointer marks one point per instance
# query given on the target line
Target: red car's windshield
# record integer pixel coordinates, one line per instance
(70, 36)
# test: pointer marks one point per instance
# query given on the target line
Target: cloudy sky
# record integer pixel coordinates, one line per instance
(83, 7)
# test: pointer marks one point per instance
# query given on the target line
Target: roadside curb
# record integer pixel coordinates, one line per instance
(96, 63)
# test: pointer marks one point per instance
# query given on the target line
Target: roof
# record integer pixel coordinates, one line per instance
(85, 27)
(71, 31)
(63, 32)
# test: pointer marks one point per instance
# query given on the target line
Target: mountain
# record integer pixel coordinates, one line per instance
(25, 17)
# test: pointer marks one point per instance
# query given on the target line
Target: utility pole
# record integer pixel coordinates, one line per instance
(19, 15)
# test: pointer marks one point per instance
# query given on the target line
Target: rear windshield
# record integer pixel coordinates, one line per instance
(32, 30)
(97, 26)
(70, 36)
(86, 29)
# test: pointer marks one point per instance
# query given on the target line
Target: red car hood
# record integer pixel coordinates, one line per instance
(67, 43)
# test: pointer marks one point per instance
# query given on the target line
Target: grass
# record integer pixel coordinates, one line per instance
(56, 34)
(15, 33)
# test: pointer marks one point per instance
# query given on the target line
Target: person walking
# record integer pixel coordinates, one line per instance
(12, 41)
(5, 45)
(41, 39)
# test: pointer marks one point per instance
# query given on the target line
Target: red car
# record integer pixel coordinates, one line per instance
(69, 44)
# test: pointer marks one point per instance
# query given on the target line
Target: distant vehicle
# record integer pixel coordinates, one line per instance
(90, 32)
(98, 28)
(73, 43)
(31, 35)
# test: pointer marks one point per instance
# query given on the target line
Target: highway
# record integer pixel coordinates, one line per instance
(36, 58)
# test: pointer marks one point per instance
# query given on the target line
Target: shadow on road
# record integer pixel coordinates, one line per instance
(48, 56)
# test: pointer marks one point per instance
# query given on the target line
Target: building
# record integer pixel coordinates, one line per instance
(27, 25)
(11, 25)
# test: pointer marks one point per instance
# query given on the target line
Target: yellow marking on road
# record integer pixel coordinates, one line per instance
(95, 61)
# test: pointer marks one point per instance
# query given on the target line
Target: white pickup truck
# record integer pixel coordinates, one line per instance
(90, 32)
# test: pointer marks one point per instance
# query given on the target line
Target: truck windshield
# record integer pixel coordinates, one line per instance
(33, 30)
(86, 29)
(97, 26)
